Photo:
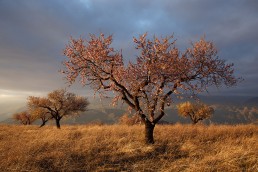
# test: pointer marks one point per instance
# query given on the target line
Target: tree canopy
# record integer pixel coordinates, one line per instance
(24, 117)
(147, 84)
(57, 104)
(196, 111)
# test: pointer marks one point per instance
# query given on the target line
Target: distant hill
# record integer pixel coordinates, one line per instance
(251, 102)
(103, 112)
(9, 108)
(8, 121)
(108, 116)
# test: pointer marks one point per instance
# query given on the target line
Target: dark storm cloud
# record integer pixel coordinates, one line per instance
(34, 32)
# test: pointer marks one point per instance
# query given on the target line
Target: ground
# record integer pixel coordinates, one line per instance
(121, 148)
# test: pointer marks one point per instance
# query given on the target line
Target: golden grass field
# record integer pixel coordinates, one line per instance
(121, 148)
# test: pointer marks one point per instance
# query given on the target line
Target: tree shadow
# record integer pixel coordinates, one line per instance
(106, 160)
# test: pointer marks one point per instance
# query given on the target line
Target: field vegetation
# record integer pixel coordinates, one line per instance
(122, 148)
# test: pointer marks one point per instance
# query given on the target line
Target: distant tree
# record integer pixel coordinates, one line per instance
(58, 104)
(40, 113)
(129, 120)
(24, 118)
(146, 85)
(250, 113)
(196, 111)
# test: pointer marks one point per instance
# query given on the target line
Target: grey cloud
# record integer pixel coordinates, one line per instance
(34, 32)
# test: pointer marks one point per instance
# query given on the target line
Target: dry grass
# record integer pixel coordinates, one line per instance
(121, 148)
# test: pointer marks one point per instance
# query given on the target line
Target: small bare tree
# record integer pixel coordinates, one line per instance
(196, 111)
(129, 120)
(250, 113)
(58, 104)
(24, 118)
(40, 113)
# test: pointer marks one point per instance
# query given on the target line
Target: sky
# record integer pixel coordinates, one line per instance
(33, 34)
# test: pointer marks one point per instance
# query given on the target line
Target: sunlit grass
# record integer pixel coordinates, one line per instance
(121, 148)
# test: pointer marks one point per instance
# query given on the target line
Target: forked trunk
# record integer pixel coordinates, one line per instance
(195, 121)
(149, 127)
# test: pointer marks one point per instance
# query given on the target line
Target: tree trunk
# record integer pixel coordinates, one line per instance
(43, 123)
(194, 122)
(149, 127)
(58, 123)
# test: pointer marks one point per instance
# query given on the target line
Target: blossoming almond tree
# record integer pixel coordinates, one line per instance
(146, 85)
